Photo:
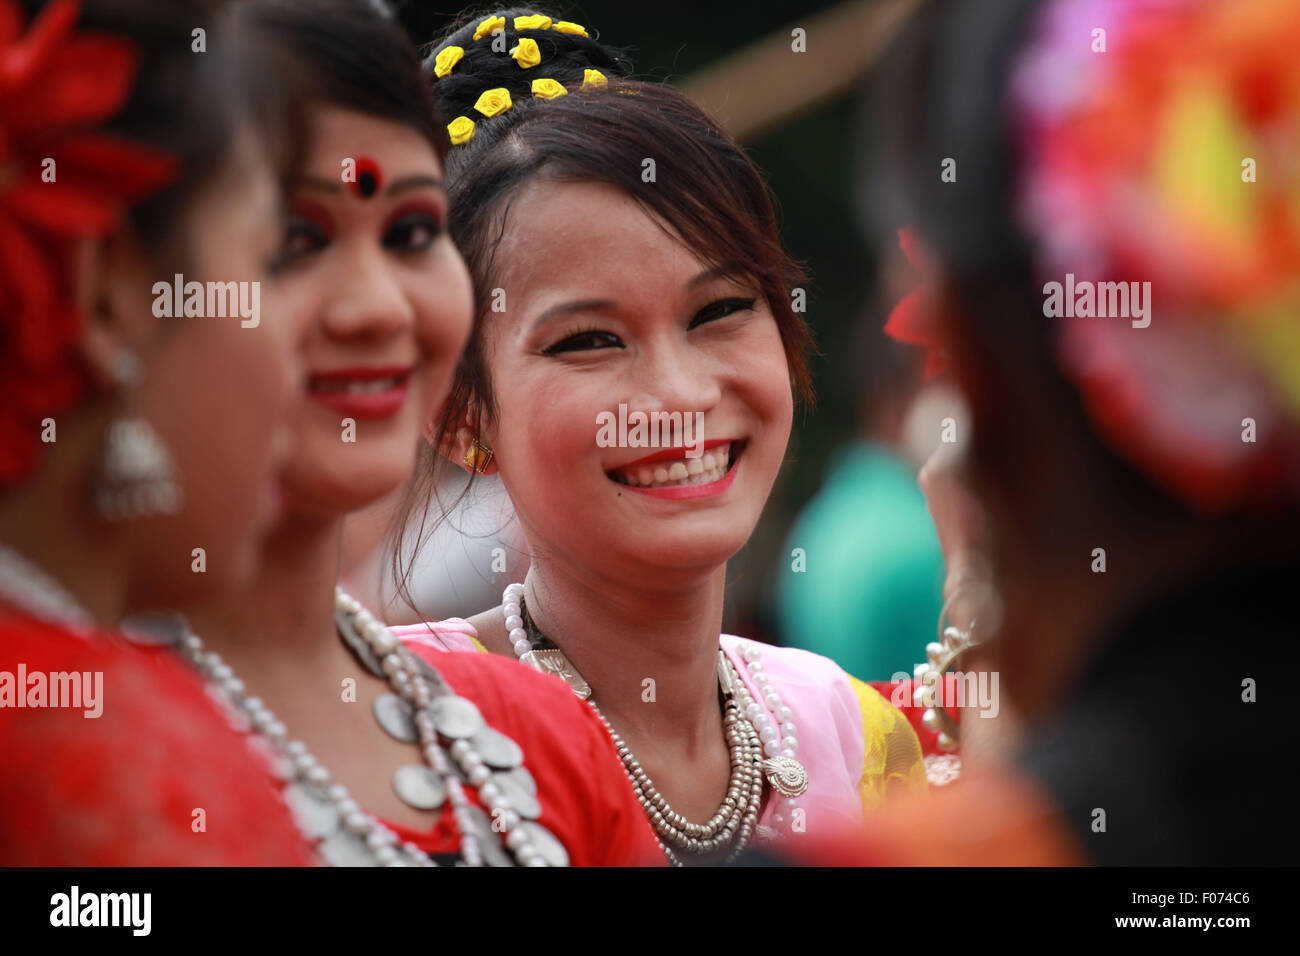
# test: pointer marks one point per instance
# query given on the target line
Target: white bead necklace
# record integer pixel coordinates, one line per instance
(342, 833)
(34, 592)
(748, 729)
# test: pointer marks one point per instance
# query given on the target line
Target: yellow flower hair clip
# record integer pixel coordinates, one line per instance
(461, 130)
(564, 26)
(593, 78)
(489, 25)
(494, 101)
(526, 53)
(444, 61)
(535, 22)
(548, 89)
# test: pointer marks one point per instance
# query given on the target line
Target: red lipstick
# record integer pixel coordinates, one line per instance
(372, 392)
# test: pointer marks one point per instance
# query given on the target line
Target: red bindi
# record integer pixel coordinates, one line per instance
(369, 178)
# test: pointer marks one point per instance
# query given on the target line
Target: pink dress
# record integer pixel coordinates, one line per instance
(856, 747)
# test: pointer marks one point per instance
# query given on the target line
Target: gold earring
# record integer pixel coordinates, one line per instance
(478, 456)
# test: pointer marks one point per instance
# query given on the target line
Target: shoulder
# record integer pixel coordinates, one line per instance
(450, 634)
(140, 769)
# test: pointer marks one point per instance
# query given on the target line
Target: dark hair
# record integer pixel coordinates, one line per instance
(942, 92)
(354, 54)
(706, 188)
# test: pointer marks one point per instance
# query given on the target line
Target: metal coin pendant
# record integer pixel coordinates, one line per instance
(343, 622)
(316, 816)
(496, 749)
(419, 787)
(427, 671)
(514, 793)
(546, 843)
(489, 841)
(396, 716)
(786, 775)
(154, 629)
(553, 661)
(521, 776)
(345, 848)
(456, 717)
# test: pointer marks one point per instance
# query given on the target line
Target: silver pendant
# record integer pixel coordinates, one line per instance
(553, 661)
(456, 717)
(314, 813)
(494, 854)
(419, 787)
(522, 777)
(356, 644)
(496, 749)
(546, 843)
(517, 795)
(786, 775)
(427, 671)
(395, 716)
(154, 629)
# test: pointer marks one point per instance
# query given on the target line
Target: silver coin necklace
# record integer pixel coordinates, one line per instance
(458, 747)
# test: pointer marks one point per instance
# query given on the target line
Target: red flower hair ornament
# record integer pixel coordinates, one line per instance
(912, 321)
(60, 181)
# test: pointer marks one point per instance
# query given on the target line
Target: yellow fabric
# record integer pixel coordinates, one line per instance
(892, 765)
(477, 646)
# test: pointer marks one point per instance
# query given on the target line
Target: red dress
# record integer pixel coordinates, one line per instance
(159, 778)
(586, 799)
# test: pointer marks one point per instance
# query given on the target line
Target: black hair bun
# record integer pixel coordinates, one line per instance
(487, 63)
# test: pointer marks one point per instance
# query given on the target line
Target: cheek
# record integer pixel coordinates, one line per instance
(444, 302)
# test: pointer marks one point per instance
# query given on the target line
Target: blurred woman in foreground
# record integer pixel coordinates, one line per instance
(1112, 279)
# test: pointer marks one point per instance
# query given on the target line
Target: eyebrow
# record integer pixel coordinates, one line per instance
(599, 305)
(394, 188)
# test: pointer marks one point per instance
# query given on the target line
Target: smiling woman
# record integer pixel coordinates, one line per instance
(626, 259)
(400, 760)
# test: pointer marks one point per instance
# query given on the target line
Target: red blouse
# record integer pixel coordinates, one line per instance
(159, 778)
(586, 799)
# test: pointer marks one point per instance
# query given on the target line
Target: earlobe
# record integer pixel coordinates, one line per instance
(463, 449)
(107, 274)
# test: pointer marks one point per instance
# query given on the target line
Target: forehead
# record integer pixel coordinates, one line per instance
(562, 233)
(338, 134)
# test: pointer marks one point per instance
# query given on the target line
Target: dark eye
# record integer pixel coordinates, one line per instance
(584, 341)
(721, 309)
(302, 237)
(413, 232)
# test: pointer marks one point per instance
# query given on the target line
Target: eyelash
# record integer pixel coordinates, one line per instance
(304, 227)
(722, 308)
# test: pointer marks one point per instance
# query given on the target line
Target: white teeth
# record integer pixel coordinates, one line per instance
(710, 467)
(358, 388)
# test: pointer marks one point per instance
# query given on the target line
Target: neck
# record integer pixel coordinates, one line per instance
(621, 636)
(288, 614)
(48, 521)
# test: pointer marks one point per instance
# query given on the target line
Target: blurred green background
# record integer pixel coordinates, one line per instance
(809, 161)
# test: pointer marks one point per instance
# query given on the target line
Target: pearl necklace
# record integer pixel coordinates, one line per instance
(34, 592)
(749, 734)
(342, 833)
